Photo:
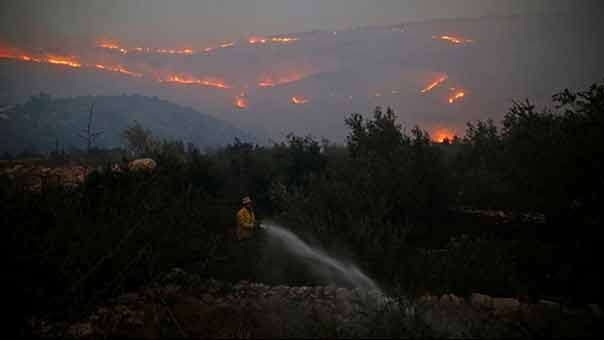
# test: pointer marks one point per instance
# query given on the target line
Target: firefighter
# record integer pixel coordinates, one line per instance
(246, 220)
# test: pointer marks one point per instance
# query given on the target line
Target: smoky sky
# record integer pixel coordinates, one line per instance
(201, 22)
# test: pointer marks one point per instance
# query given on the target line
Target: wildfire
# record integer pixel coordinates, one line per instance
(125, 50)
(49, 59)
(63, 61)
(28, 58)
(223, 45)
(187, 51)
(189, 80)
(261, 40)
(112, 46)
(283, 39)
(118, 69)
(266, 83)
(440, 135)
(458, 95)
(270, 82)
(453, 40)
(434, 84)
(241, 102)
(66, 61)
(257, 40)
(299, 100)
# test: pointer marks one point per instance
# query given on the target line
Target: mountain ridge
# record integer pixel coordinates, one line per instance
(42, 122)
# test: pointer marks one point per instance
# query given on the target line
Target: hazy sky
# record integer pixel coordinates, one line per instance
(204, 21)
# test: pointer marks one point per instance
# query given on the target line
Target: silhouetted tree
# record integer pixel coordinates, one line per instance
(138, 140)
(89, 135)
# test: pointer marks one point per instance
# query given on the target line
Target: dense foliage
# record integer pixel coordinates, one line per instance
(389, 199)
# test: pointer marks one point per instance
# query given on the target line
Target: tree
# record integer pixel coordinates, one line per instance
(138, 140)
(89, 135)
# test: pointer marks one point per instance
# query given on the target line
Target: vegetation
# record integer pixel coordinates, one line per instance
(389, 199)
(44, 124)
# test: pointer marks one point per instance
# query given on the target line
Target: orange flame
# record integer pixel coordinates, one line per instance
(434, 84)
(266, 83)
(28, 58)
(257, 40)
(223, 45)
(453, 40)
(442, 134)
(458, 95)
(63, 61)
(283, 39)
(270, 82)
(125, 50)
(11, 54)
(112, 46)
(187, 51)
(241, 102)
(299, 100)
(189, 80)
(262, 40)
(118, 69)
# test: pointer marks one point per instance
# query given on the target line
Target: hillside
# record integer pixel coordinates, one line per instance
(43, 123)
(252, 82)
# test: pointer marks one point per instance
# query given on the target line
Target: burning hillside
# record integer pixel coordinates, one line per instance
(284, 73)
(434, 84)
(431, 73)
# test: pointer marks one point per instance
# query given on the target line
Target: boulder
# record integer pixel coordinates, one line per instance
(142, 164)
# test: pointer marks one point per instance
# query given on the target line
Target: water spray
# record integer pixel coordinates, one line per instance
(296, 246)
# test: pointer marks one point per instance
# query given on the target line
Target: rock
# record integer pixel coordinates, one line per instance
(480, 301)
(143, 164)
(505, 307)
(81, 330)
(207, 298)
(127, 298)
(256, 310)
(549, 305)
(329, 290)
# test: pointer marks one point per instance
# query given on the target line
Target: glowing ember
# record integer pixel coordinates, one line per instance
(453, 40)
(67, 61)
(270, 82)
(124, 50)
(257, 40)
(118, 69)
(112, 46)
(31, 59)
(241, 102)
(223, 45)
(188, 80)
(434, 84)
(456, 96)
(441, 135)
(299, 100)
(283, 39)
(261, 40)
(266, 83)
(187, 51)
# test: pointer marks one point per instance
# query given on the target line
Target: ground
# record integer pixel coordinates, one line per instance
(184, 305)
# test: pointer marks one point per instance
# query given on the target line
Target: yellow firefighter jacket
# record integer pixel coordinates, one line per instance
(245, 223)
